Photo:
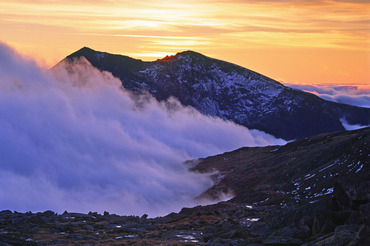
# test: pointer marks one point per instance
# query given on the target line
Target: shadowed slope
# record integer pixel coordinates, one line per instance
(303, 170)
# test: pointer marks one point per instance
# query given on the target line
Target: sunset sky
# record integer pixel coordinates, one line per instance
(307, 42)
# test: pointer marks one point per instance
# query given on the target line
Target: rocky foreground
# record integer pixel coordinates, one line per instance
(314, 191)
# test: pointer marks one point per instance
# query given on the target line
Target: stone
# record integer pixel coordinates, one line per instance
(282, 241)
(88, 227)
(301, 232)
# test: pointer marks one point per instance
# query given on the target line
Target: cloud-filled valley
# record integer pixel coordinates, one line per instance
(73, 139)
(351, 95)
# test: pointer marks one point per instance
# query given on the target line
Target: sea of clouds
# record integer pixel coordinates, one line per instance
(73, 139)
(351, 95)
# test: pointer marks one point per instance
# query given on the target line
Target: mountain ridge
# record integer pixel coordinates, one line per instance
(231, 92)
(303, 170)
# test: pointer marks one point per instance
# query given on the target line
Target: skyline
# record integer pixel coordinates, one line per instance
(306, 42)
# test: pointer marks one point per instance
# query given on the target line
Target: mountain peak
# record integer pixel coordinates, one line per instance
(168, 58)
(86, 49)
(82, 52)
(190, 53)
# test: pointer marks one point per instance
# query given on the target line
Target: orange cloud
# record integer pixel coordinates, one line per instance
(244, 32)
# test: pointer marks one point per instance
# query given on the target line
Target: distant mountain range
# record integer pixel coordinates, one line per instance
(222, 89)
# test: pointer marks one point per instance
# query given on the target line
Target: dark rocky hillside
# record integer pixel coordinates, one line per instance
(314, 191)
(304, 170)
(231, 92)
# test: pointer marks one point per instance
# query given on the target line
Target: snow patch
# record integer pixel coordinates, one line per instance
(327, 167)
(308, 176)
(362, 165)
(349, 127)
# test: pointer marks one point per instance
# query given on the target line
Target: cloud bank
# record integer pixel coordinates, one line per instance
(350, 127)
(75, 140)
(343, 94)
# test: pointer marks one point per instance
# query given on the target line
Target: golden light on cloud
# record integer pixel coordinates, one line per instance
(296, 41)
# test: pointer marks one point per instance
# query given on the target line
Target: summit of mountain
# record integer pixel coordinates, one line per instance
(231, 92)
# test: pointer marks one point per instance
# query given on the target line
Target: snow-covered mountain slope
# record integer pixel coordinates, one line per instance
(228, 91)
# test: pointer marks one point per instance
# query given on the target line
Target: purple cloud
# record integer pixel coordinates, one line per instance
(75, 140)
